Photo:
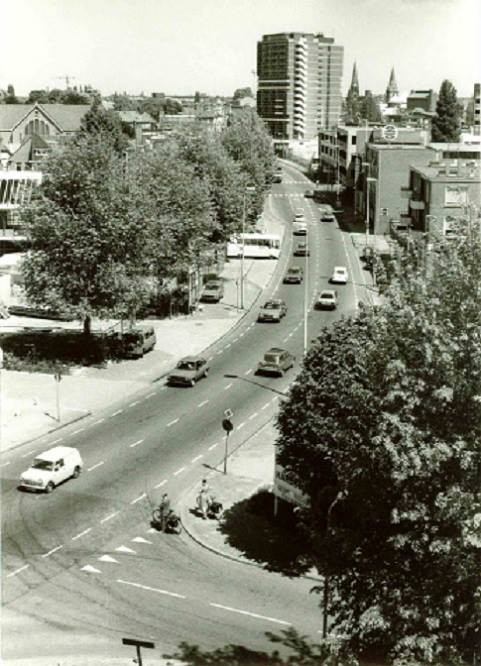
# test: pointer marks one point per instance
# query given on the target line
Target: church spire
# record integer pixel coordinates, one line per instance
(354, 89)
(392, 88)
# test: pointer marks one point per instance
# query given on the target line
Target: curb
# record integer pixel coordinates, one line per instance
(49, 432)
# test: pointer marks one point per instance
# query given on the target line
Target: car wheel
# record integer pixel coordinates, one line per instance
(76, 472)
(192, 382)
(206, 372)
(50, 486)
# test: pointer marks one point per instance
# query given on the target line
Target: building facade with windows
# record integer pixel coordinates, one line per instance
(299, 85)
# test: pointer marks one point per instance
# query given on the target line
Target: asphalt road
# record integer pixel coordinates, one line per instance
(80, 566)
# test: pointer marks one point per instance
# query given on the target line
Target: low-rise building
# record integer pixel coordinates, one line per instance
(441, 192)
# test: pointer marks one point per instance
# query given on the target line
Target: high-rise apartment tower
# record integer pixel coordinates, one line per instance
(299, 84)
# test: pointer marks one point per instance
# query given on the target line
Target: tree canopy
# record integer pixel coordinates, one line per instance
(382, 431)
(446, 123)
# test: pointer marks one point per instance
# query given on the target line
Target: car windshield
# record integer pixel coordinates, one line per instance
(327, 294)
(38, 463)
(271, 306)
(186, 365)
(211, 287)
(271, 358)
(293, 271)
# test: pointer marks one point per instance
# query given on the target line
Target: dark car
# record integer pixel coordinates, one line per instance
(188, 370)
(294, 275)
(212, 292)
(277, 178)
(272, 310)
(275, 362)
(328, 217)
(301, 250)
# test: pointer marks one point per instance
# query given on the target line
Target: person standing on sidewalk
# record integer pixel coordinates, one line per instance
(164, 509)
(203, 498)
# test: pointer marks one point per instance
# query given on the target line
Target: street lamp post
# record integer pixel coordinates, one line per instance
(306, 292)
(247, 189)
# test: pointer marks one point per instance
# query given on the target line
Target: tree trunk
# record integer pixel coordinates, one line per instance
(87, 325)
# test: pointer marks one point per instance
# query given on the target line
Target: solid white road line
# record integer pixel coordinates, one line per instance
(227, 387)
(162, 483)
(109, 517)
(54, 550)
(151, 589)
(95, 466)
(14, 573)
(179, 471)
(201, 404)
(137, 499)
(139, 441)
(77, 536)
(172, 423)
(194, 460)
(243, 612)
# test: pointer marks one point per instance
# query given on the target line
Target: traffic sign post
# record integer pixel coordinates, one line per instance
(228, 426)
(138, 645)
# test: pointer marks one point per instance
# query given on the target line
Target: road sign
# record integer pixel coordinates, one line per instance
(227, 425)
(133, 641)
(389, 132)
(58, 376)
(228, 414)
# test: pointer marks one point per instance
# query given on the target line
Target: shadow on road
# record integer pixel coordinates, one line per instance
(250, 527)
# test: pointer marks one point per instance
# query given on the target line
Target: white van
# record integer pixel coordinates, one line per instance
(51, 468)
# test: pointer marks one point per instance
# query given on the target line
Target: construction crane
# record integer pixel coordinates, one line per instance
(67, 78)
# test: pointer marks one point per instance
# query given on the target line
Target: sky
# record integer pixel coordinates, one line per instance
(181, 46)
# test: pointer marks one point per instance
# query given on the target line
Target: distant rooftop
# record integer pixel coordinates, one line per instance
(449, 172)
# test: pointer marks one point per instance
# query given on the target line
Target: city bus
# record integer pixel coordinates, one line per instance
(256, 246)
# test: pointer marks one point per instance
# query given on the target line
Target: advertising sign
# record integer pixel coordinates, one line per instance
(286, 491)
(389, 132)
(455, 195)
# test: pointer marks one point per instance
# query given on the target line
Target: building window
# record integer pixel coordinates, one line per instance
(353, 140)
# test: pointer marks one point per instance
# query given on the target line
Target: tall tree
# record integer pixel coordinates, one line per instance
(10, 97)
(382, 430)
(248, 142)
(105, 125)
(239, 93)
(91, 228)
(446, 123)
(369, 108)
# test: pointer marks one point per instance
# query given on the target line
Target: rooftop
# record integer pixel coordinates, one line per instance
(452, 173)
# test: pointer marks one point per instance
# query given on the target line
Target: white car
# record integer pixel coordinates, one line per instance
(51, 468)
(327, 300)
(299, 216)
(339, 275)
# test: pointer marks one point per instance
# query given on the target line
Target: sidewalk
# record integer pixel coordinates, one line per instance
(29, 400)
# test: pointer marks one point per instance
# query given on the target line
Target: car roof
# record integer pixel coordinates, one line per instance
(56, 452)
(331, 292)
(340, 268)
(190, 359)
(295, 268)
(278, 301)
(275, 350)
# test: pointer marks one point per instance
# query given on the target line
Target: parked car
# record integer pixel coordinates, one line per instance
(275, 362)
(328, 217)
(299, 228)
(301, 250)
(272, 310)
(277, 178)
(294, 275)
(327, 300)
(212, 292)
(188, 370)
(339, 275)
(138, 341)
(299, 216)
(309, 194)
(52, 467)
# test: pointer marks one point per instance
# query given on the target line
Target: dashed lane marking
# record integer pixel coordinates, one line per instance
(252, 416)
(139, 441)
(137, 499)
(162, 483)
(194, 460)
(241, 425)
(5, 464)
(90, 569)
(109, 517)
(227, 387)
(78, 536)
(139, 539)
(243, 612)
(119, 411)
(201, 404)
(172, 423)
(248, 372)
(179, 471)
(54, 550)
(17, 571)
(219, 352)
(266, 405)
(150, 395)
(108, 558)
(132, 404)
(213, 446)
(151, 589)
(90, 469)
(55, 441)
(98, 421)
(126, 549)
(76, 432)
